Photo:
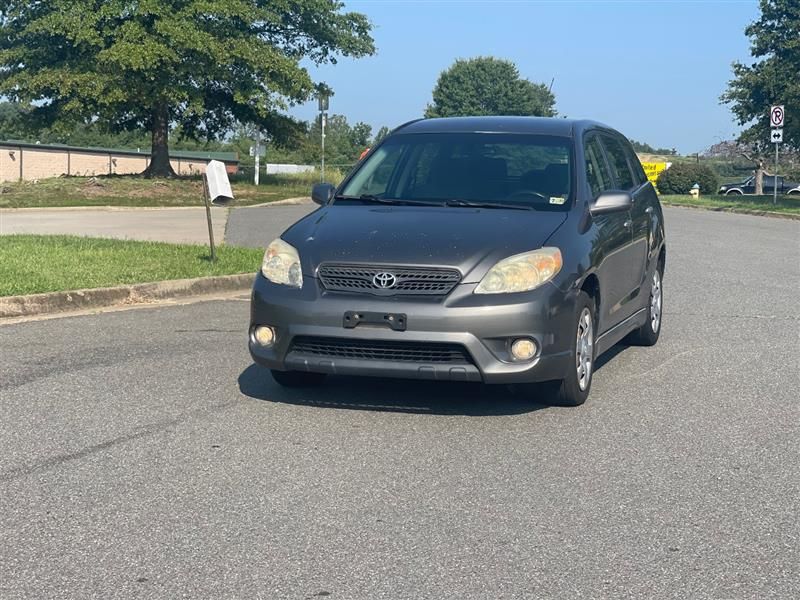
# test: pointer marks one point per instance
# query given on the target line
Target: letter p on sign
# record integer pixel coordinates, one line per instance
(776, 114)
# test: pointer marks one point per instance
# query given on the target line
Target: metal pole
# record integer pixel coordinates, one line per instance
(322, 120)
(208, 218)
(258, 147)
(775, 185)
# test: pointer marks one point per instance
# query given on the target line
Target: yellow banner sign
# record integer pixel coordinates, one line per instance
(653, 169)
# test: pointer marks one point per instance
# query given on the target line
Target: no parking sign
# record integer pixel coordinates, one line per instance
(776, 115)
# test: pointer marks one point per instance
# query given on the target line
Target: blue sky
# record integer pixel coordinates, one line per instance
(653, 69)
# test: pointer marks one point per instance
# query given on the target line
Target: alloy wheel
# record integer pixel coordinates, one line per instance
(655, 302)
(584, 352)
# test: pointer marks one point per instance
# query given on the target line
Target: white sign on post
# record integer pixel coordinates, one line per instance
(219, 188)
(777, 136)
(776, 116)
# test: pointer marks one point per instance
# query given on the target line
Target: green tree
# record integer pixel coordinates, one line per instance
(646, 148)
(343, 143)
(488, 86)
(382, 133)
(201, 64)
(11, 117)
(771, 79)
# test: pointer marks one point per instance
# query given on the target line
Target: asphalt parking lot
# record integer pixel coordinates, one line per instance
(142, 455)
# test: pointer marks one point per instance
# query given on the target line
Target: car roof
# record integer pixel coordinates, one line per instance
(530, 125)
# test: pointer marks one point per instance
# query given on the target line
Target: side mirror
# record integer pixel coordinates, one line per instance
(611, 202)
(322, 193)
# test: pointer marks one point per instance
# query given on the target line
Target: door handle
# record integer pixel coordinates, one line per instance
(628, 224)
(649, 210)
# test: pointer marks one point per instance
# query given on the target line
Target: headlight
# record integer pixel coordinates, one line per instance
(282, 264)
(723, 188)
(522, 272)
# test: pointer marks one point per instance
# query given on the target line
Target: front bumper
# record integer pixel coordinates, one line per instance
(483, 325)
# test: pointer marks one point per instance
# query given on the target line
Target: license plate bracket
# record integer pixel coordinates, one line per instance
(395, 321)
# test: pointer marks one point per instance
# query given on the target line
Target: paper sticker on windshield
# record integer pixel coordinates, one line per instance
(557, 200)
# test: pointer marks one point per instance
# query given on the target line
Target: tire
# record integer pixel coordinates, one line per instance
(647, 334)
(572, 390)
(297, 379)
(733, 193)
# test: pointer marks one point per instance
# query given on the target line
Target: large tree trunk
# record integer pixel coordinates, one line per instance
(760, 179)
(159, 158)
(758, 172)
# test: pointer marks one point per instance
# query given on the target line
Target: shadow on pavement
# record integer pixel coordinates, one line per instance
(392, 395)
(609, 355)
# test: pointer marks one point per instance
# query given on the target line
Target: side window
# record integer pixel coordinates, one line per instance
(638, 172)
(618, 163)
(596, 171)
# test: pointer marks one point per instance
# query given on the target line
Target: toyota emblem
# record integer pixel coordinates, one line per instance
(384, 280)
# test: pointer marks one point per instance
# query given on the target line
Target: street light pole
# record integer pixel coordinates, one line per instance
(323, 96)
(258, 160)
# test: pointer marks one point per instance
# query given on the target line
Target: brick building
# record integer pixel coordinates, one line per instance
(19, 160)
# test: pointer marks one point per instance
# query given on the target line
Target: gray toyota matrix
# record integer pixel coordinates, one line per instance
(509, 250)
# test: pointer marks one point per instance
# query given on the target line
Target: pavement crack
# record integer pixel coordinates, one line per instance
(730, 316)
(142, 432)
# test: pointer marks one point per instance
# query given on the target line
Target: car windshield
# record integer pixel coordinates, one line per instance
(463, 170)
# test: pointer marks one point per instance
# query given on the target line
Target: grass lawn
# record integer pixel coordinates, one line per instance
(31, 264)
(132, 190)
(786, 204)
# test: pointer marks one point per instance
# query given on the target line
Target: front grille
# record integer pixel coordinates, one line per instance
(418, 281)
(417, 352)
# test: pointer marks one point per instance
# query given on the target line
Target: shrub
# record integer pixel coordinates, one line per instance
(680, 178)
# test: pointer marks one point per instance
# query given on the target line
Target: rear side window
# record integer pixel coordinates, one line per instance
(596, 170)
(618, 163)
(636, 167)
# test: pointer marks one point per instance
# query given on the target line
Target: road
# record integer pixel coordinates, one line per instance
(240, 226)
(143, 456)
(174, 225)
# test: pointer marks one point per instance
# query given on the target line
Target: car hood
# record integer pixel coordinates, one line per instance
(471, 240)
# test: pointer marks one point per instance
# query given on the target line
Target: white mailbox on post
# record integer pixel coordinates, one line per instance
(217, 191)
(218, 186)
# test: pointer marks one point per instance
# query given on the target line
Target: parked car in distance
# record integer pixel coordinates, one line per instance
(503, 250)
(748, 186)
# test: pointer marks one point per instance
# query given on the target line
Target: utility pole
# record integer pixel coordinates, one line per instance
(323, 99)
(258, 156)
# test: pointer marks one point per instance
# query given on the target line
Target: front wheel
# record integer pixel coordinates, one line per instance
(295, 379)
(574, 388)
(647, 334)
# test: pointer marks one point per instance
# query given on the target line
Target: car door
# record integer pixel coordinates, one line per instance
(638, 222)
(611, 245)
(769, 184)
(644, 214)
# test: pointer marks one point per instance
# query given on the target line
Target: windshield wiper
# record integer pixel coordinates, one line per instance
(378, 200)
(473, 204)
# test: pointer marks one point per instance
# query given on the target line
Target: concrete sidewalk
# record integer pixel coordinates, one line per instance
(175, 225)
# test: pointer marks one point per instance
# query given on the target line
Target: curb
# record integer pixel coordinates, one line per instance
(738, 211)
(74, 300)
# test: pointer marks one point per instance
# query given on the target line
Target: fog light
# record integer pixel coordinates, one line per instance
(264, 336)
(523, 349)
